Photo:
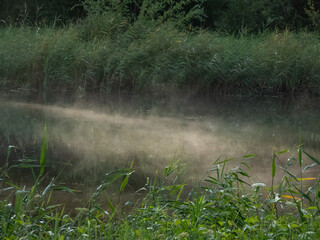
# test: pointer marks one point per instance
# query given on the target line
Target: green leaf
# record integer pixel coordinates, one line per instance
(273, 164)
(111, 206)
(304, 195)
(283, 151)
(243, 173)
(312, 208)
(12, 185)
(54, 206)
(224, 161)
(248, 156)
(179, 194)
(43, 151)
(65, 189)
(47, 189)
(217, 160)
(27, 160)
(293, 192)
(124, 183)
(300, 149)
(26, 166)
(309, 166)
(312, 158)
(243, 163)
(291, 174)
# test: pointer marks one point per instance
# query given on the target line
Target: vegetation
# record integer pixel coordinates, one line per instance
(140, 46)
(228, 204)
(158, 59)
(201, 46)
(228, 15)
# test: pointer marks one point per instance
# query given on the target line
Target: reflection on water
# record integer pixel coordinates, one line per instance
(96, 138)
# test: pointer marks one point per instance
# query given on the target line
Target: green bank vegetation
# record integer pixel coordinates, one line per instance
(161, 59)
(140, 46)
(224, 205)
(239, 47)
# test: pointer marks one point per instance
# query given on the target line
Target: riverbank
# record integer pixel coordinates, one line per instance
(159, 60)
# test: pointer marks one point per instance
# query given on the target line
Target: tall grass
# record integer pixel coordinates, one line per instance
(145, 58)
(227, 205)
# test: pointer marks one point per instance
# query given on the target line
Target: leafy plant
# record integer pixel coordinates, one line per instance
(314, 14)
(229, 203)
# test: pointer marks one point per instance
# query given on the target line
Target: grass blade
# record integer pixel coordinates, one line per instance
(43, 151)
(274, 164)
(312, 158)
(291, 174)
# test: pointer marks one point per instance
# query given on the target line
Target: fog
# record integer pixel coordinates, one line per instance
(90, 136)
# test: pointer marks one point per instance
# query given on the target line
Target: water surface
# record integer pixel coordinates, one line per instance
(87, 138)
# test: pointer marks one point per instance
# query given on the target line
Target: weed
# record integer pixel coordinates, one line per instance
(227, 206)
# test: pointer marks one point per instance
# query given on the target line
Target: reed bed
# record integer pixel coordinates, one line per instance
(158, 59)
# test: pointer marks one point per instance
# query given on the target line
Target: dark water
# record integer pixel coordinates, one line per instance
(87, 138)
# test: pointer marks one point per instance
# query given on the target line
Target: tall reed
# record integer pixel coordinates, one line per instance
(145, 58)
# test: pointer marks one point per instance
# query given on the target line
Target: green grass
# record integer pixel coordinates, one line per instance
(224, 205)
(156, 59)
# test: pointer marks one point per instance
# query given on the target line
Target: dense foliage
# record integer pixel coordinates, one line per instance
(142, 57)
(35, 12)
(226, 15)
(149, 45)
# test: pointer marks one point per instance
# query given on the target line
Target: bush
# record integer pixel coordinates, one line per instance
(236, 15)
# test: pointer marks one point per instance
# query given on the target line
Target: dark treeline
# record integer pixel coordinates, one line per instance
(34, 12)
(225, 15)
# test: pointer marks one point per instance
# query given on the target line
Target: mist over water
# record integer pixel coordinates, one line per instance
(97, 138)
